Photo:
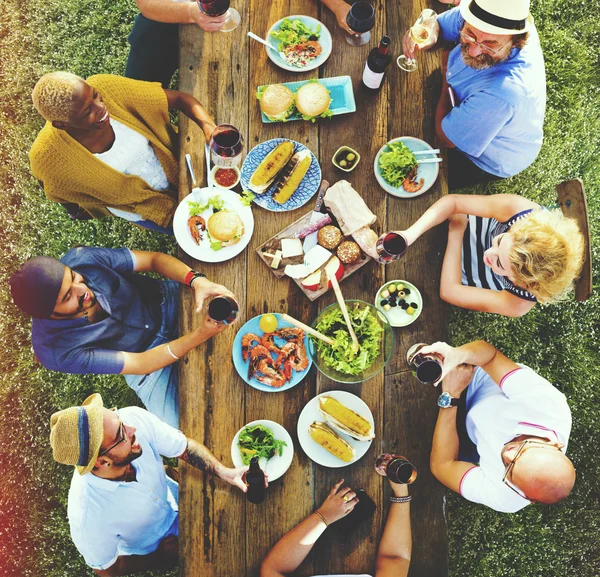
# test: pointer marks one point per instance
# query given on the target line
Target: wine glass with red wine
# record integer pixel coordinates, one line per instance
(218, 8)
(226, 145)
(390, 246)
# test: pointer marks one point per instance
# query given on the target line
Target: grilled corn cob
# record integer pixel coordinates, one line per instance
(292, 176)
(345, 420)
(325, 436)
(271, 166)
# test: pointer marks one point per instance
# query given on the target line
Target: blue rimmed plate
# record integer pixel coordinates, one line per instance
(305, 191)
(340, 90)
(241, 366)
(428, 172)
(324, 40)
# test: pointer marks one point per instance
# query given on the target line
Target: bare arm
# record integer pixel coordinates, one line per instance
(474, 298)
(289, 552)
(179, 13)
(393, 556)
(340, 9)
(165, 557)
(192, 108)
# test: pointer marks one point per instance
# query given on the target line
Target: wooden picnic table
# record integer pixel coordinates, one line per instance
(220, 533)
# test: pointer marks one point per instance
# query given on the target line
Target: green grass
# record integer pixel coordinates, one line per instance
(561, 342)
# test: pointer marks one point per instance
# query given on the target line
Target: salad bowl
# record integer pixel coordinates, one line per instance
(374, 332)
(313, 24)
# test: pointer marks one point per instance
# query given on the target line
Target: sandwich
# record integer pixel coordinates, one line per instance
(276, 102)
(313, 100)
(225, 227)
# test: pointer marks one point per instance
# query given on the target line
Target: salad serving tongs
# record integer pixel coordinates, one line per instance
(259, 39)
(307, 329)
(340, 298)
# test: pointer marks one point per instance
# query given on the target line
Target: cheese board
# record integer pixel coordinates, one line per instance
(311, 270)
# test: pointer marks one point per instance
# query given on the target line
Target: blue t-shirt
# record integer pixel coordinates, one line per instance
(132, 302)
(499, 117)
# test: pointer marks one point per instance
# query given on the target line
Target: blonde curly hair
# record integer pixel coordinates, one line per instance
(547, 254)
(54, 93)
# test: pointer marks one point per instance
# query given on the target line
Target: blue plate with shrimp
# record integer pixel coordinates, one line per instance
(266, 374)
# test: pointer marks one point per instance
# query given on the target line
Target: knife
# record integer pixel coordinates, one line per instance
(311, 239)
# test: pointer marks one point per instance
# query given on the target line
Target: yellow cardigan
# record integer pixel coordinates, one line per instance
(70, 173)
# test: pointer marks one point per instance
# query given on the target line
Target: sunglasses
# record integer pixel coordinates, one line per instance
(121, 436)
(484, 47)
(519, 453)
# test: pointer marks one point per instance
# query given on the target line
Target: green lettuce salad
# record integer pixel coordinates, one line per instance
(197, 208)
(396, 162)
(292, 32)
(340, 355)
(258, 441)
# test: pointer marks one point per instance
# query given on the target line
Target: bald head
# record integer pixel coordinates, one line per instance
(545, 476)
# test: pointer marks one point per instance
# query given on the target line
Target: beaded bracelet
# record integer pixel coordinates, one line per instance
(400, 499)
(322, 518)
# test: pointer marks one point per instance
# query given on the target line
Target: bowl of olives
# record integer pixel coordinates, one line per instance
(346, 158)
(400, 301)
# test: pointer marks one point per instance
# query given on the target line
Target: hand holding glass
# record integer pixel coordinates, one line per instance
(360, 19)
(226, 145)
(421, 34)
(219, 8)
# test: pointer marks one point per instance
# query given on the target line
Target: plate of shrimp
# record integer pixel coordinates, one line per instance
(271, 362)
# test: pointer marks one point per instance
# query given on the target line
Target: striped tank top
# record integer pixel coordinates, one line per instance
(477, 239)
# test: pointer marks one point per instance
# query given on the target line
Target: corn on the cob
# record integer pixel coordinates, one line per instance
(345, 420)
(290, 182)
(271, 166)
(331, 441)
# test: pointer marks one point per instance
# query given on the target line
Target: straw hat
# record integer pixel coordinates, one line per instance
(76, 434)
(498, 16)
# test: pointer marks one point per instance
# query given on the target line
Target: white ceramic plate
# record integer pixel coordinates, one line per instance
(324, 40)
(203, 252)
(276, 466)
(396, 315)
(310, 413)
(428, 172)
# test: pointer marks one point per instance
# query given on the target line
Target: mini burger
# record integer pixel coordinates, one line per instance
(226, 227)
(276, 102)
(313, 100)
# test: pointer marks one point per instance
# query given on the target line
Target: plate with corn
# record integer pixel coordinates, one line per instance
(336, 429)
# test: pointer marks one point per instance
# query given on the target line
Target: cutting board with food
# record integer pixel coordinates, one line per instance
(337, 242)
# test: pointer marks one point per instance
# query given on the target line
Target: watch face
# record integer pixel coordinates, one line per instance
(444, 400)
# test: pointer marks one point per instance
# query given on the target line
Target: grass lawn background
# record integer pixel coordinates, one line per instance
(561, 342)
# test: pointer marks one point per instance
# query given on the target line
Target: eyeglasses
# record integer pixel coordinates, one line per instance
(484, 47)
(122, 437)
(511, 465)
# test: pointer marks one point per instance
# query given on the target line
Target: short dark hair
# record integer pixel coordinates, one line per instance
(519, 40)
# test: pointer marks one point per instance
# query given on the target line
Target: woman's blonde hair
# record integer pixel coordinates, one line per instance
(547, 254)
(54, 94)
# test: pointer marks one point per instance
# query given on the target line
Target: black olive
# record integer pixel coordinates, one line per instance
(404, 306)
(393, 304)
(401, 302)
(383, 302)
(406, 291)
(414, 305)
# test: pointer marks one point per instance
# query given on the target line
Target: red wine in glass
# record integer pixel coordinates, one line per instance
(226, 145)
(216, 8)
(223, 309)
(360, 19)
(391, 246)
(428, 369)
(397, 468)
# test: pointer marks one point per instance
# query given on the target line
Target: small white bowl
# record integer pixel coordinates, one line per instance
(214, 171)
(397, 316)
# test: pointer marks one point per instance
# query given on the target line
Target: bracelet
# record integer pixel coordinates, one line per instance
(401, 499)
(171, 352)
(191, 275)
(322, 518)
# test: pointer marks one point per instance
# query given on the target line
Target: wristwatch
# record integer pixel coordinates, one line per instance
(191, 275)
(446, 400)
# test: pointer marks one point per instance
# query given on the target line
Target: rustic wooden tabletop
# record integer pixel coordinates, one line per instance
(220, 533)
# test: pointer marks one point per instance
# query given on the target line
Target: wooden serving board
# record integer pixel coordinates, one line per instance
(288, 232)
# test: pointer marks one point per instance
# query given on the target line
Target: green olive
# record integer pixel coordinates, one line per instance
(343, 163)
(351, 156)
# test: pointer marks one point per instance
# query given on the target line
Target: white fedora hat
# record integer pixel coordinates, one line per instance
(498, 16)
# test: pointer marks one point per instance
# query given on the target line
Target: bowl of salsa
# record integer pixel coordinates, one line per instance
(225, 177)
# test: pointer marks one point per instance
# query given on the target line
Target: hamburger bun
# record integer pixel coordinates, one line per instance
(312, 99)
(277, 102)
(226, 227)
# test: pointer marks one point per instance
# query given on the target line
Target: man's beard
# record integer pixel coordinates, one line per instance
(481, 62)
(131, 457)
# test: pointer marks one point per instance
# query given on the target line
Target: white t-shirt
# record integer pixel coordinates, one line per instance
(524, 404)
(112, 518)
(132, 153)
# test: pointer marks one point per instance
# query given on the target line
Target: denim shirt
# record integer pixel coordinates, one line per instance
(499, 117)
(132, 302)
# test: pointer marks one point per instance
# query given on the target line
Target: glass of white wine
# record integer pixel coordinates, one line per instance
(420, 34)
